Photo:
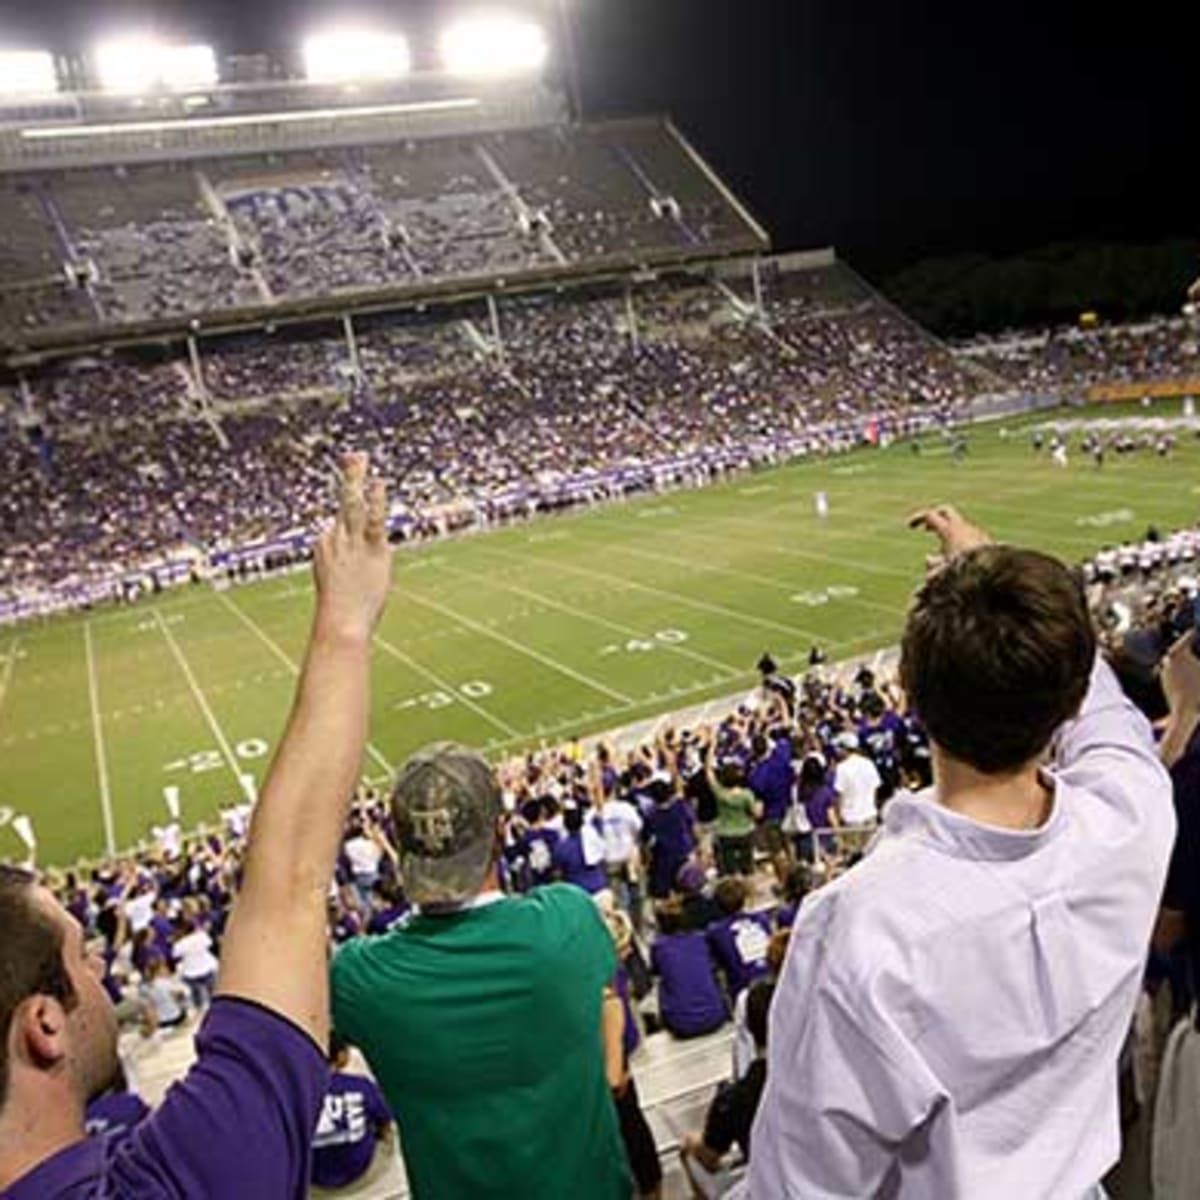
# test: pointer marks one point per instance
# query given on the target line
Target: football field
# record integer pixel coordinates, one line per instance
(541, 631)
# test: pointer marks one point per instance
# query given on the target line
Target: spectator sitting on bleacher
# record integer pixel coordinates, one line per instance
(481, 1016)
(690, 1002)
(355, 1122)
(731, 1114)
(952, 1009)
(739, 939)
(240, 1124)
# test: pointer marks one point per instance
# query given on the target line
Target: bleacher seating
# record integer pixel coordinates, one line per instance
(1072, 359)
(154, 242)
(467, 429)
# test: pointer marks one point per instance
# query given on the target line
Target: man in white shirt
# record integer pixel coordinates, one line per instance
(857, 781)
(951, 1010)
(139, 908)
(193, 952)
(364, 855)
(621, 825)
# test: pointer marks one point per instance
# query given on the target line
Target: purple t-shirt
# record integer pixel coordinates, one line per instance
(353, 1114)
(114, 1112)
(771, 780)
(569, 861)
(239, 1125)
(538, 847)
(383, 919)
(689, 1000)
(739, 944)
(672, 839)
(818, 803)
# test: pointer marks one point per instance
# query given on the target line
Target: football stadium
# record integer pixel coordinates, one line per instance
(514, 680)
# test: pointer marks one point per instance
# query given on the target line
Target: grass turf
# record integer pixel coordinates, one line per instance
(536, 632)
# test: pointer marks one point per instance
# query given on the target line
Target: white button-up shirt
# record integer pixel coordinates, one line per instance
(951, 1010)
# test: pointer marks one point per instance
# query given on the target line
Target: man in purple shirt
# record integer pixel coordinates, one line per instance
(537, 843)
(739, 940)
(670, 828)
(240, 1124)
(355, 1119)
(579, 856)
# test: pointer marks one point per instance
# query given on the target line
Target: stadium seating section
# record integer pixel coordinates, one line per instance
(102, 247)
(465, 427)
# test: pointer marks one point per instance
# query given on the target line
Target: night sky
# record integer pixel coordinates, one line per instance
(891, 130)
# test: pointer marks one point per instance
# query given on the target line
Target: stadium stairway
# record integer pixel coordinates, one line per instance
(675, 1080)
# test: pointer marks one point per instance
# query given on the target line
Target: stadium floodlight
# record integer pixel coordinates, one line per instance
(494, 44)
(347, 55)
(140, 64)
(27, 73)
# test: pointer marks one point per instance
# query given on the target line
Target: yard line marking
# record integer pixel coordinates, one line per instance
(783, 585)
(629, 630)
(449, 688)
(679, 598)
(283, 656)
(10, 664)
(714, 518)
(520, 648)
(106, 813)
(198, 695)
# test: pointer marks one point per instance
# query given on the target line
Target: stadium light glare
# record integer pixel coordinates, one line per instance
(494, 44)
(27, 73)
(140, 64)
(347, 55)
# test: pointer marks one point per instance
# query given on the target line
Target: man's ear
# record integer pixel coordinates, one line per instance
(40, 1024)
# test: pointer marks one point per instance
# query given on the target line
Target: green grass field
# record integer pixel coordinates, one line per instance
(565, 626)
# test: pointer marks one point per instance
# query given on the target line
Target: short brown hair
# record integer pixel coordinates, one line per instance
(31, 957)
(997, 653)
(730, 895)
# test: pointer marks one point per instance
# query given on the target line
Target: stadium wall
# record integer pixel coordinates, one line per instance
(1163, 389)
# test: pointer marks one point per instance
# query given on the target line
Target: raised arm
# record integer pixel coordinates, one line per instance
(1181, 683)
(274, 950)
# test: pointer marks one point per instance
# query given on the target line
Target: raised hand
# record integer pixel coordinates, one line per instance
(954, 532)
(353, 561)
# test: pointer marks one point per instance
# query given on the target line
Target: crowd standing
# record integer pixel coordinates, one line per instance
(493, 943)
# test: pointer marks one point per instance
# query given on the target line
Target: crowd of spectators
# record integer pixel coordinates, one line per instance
(573, 406)
(638, 830)
(797, 774)
(1072, 359)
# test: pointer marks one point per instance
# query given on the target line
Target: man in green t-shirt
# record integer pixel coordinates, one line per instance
(481, 1017)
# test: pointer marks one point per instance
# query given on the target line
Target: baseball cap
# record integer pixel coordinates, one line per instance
(445, 802)
(846, 741)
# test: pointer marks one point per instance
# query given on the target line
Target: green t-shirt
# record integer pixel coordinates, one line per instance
(483, 1028)
(735, 810)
